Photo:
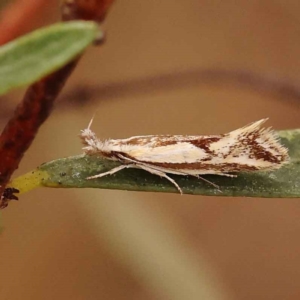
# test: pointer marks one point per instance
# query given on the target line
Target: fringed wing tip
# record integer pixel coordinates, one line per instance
(255, 125)
(265, 139)
(270, 137)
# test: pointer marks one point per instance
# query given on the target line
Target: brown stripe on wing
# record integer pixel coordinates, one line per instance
(155, 141)
(226, 167)
(259, 152)
(167, 140)
(205, 142)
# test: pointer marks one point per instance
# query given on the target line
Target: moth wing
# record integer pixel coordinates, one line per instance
(174, 151)
(252, 146)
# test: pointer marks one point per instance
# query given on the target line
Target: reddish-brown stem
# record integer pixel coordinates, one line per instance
(38, 101)
(20, 131)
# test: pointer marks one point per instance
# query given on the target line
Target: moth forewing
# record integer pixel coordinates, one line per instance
(247, 149)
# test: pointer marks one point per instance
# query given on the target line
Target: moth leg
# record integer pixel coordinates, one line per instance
(227, 175)
(161, 174)
(207, 181)
(211, 183)
(112, 171)
(152, 171)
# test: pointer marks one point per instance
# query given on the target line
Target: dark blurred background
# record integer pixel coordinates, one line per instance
(168, 67)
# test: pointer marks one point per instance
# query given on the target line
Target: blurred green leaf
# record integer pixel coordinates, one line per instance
(72, 172)
(31, 57)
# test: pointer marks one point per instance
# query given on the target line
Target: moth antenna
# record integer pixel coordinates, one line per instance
(91, 122)
(88, 138)
(93, 117)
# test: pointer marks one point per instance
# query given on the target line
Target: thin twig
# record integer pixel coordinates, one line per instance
(254, 82)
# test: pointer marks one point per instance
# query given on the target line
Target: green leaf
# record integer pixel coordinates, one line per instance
(31, 57)
(72, 172)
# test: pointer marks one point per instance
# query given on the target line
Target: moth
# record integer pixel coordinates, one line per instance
(247, 149)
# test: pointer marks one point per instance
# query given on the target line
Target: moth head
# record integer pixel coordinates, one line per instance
(92, 145)
(88, 137)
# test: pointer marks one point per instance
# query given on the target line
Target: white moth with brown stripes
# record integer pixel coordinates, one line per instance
(246, 149)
